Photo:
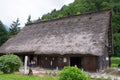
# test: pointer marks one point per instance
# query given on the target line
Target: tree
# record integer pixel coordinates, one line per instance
(14, 28)
(29, 19)
(77, 7)
(116, 33)
(3, 34)
(116, 43)
(10, 63)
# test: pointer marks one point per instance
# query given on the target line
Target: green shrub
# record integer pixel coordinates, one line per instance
(114, 65)
(72, 73)
(115, 61)
(9, 63)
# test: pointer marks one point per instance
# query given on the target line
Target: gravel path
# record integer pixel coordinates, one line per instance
(106, 76)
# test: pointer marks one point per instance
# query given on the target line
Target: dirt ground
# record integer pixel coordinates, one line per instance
(111, 73)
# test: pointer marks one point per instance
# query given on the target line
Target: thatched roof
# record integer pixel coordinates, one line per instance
(77, 34)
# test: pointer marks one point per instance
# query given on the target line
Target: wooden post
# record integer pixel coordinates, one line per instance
(25, 64)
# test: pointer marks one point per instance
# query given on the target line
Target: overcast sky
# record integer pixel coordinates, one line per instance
(10, 10)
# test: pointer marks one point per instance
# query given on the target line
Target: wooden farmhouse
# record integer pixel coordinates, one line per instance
(83, 40)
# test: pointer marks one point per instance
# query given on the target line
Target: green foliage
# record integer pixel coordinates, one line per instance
(72, 73)
(115, 61)
(3, 34)
(116, 23)
(79, 6)
(14, 28)
(116, 33)
(9, 63)
(114, 65)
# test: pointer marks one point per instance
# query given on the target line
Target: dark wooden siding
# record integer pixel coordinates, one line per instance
(61, 62)
(104, 60)
(89, 63)
(52, 62)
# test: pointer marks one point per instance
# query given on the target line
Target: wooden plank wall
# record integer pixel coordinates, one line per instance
(90, 63)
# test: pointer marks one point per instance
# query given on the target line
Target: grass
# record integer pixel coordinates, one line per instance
(22, 77)
(115, 61)
(25, 77)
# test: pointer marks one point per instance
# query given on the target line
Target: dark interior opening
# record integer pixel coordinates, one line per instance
(31, 57)
(75, 61)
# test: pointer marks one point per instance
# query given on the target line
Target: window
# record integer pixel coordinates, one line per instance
(64, 59)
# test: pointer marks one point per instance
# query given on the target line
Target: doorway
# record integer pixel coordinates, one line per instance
(75, 61)
(31, 58)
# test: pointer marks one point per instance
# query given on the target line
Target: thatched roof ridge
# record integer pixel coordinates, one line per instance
(87, 13)
(79, 34)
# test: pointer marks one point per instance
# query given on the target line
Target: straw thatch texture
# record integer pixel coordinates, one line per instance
(78, 34)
